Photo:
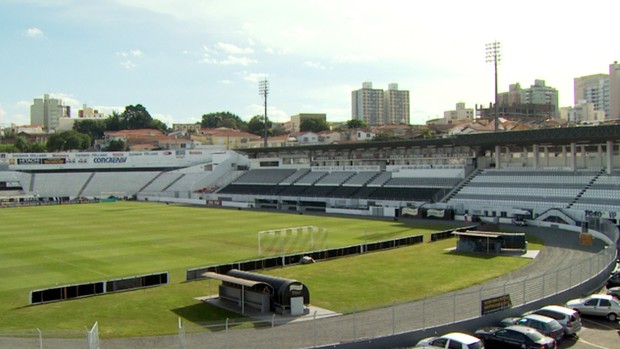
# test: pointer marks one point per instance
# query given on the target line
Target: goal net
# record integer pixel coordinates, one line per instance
(291, 240)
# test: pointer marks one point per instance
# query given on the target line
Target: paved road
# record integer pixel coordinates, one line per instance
(561, 250)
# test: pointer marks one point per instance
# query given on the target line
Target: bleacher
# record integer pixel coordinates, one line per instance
(548, 188)
(126, 183)
(270, 176)
(602, 195)
(162, 181)
(59, 184)
(334, 178)
(425, 186)
(311, 177)
(360, 179)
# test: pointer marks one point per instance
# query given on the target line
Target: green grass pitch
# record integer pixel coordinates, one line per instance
(42, 247)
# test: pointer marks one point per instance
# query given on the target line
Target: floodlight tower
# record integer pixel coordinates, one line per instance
(494, 55)
(263, 90)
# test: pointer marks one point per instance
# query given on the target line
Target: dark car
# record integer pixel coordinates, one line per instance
(614, 280)
(515, 337)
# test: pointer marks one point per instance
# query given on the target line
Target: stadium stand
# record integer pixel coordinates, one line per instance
(109, 182)
(571, 169)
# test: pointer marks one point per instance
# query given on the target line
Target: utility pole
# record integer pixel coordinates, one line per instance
(263, 90)
(494, 55)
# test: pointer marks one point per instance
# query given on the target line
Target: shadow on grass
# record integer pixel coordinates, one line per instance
(213, 318)
(484, 255)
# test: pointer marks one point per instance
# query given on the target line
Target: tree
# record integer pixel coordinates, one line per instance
(116, 145)
(223, 119)
(313, 125)
(385, 136)
(356, 123)
(136, 117)
(114, 122)
(37, 147)
(22, 144)
(133, 117)
(68, 140)
(426, 132)
(92, 128)
(256, 125)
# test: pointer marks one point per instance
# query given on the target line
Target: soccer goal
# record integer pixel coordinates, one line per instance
(291, 240)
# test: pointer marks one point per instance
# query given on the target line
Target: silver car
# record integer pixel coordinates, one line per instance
(543, 324)
(597, 305)
(567, 317)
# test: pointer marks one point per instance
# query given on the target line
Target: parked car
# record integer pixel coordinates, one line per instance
(515, 336)
(453, 340)
(597, 305)
(614, 291)
(543, 324)
(614, 280)
(567, 317)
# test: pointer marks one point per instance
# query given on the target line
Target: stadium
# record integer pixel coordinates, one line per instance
(564, 179)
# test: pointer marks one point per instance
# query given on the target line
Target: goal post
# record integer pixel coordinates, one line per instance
(288, 240)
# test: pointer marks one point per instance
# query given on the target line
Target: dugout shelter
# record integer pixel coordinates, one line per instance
(489, 242)
(263, 292)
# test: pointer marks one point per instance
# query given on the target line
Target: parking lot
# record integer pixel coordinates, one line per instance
(595, 333)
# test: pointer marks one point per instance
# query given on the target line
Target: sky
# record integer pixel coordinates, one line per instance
(181, 59)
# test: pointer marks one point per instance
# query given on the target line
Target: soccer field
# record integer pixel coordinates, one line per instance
(63, 245)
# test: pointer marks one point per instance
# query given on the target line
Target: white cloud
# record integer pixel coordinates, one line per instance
(253, 77)
(314, 65)
(232, 60)
(273, 113)
(234, 55)
(225, 82)
(33, 32)
(108, 109)
(130, 53)
(234, 50)
(354, 58)
(129, 65)
(67, 98)
(25, 105)
(165, 118)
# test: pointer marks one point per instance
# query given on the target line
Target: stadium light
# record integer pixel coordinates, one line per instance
(263, 90)
(494, 55)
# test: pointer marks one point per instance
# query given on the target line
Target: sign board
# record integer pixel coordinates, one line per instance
(494, 304)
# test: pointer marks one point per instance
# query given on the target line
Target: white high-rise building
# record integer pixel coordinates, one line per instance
(47, 112)
(367, 105)
(593, 89)
(378, 107)
(614, 91)
(460, 113)
(396, 104)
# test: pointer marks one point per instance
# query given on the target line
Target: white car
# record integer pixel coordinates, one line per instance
(597, 305)
(451, 340)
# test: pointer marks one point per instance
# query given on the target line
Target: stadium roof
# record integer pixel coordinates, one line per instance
(551, 136)
(232, 279)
